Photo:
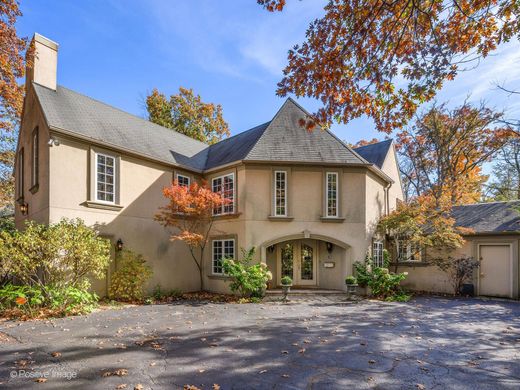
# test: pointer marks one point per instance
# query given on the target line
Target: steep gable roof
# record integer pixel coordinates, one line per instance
(286, 140)
(75, 113)
(495, 217)
(375, 153)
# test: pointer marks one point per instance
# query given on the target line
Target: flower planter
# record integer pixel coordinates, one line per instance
(351, 290)
(286, 288)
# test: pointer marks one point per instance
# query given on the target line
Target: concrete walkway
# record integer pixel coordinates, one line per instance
(314, 343)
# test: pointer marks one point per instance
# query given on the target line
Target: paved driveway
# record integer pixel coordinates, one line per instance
(318, 343)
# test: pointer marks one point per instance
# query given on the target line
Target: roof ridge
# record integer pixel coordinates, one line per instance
(127, 113)
(375, 143)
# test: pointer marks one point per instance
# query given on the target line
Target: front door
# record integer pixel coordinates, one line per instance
(297, 259)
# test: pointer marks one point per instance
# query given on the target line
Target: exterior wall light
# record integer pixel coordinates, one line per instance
(24, 208)
(119, 245)
(270, 249)
(330, 246)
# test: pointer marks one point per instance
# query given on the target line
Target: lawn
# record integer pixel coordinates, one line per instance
(316, 342)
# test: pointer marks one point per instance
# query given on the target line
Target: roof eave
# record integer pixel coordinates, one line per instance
(121, 149)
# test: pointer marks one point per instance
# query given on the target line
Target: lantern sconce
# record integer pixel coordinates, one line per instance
(330, 246)
(270, 249)
(24, 208)
(119, 245)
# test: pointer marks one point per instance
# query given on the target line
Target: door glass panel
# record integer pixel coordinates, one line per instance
(287, 260)
(307, 263)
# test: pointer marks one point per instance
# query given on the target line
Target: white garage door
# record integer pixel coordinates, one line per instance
(495, 271)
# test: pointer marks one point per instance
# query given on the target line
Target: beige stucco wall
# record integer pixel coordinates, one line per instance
(38, 200)
(141, 184)
(429, 278)
(253, 227)
(391, 168)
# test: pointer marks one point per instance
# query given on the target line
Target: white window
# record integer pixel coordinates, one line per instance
(407, 251)
(377, 254)
(183, 180)
(20, 173)
(280, 193)
(35, 158)
(225, 185)
(105, 178)
(222, 249)
(332, 194)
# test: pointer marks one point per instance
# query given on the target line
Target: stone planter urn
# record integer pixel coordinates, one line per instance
(286, 287)
(352, 286)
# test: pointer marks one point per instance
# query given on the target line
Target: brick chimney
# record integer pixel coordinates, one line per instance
(45, 64)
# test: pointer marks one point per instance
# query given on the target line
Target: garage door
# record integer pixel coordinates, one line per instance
(495, 271)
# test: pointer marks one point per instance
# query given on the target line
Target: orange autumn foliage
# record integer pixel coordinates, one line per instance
(189, 212)
(355, 57)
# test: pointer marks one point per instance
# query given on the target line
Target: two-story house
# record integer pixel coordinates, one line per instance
(307, 202)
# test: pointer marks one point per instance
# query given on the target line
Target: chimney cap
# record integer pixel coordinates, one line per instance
(45, 41)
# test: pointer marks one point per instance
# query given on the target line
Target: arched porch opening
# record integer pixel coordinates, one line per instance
(311, 260)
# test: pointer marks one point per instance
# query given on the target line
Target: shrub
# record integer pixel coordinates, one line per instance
(460, 270)
(384, 284)
(159, 294)
(286, 281)
(59, 255)
(127, 282)
(61, 301)
(247, 280)
(350, 280)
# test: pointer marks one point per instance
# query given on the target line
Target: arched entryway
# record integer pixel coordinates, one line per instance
(311, 260)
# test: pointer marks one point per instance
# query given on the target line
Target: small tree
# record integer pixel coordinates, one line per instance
(190, 213)
(128, 281)
(460, 270)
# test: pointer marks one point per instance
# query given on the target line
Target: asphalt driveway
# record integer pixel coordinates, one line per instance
(315, 343)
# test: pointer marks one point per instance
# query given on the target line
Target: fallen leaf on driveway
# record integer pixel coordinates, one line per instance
(371, 362)
(285, 352)
(138, 387)
(121, 386)
(56, 354)
(216, 387)
(119, 372)
(40, 380)
(285, 375)
(190, 387)
(263, 372)
(420, 386)
(301, 350)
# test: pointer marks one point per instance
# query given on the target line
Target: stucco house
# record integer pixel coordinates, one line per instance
(307, 202)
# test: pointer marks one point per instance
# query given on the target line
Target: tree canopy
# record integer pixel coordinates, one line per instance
(186, 113)
(12, 67)
(385, 58)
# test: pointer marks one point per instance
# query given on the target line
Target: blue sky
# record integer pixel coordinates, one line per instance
(230, 52)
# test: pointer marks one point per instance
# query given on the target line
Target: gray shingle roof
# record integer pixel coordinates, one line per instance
(375, 153)
(281, 139)
(496, 217)
(285, 139)
(76, 113)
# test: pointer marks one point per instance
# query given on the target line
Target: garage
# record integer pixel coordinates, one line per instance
(495, 274)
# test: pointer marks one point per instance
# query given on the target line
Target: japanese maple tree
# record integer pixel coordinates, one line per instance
(186, 113)
(385, 58)
(190, 213)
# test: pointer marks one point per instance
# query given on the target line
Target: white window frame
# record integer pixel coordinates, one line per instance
(275, 194)
(213, 260)
(377, 253)
(409, 250)
(35, 156)
(115, 181)
(232, 204)
(178, 175)
(327, 195)
(21, 172)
